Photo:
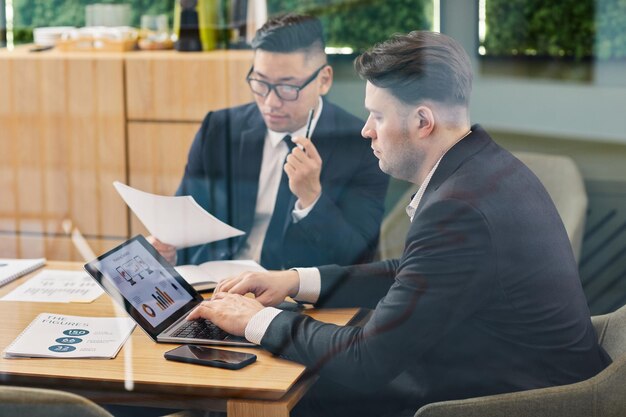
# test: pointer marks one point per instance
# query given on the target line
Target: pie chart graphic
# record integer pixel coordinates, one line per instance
(148, 310)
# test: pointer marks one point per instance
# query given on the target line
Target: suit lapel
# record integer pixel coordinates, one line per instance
(454, 158)
(247, 171)
(326, 134)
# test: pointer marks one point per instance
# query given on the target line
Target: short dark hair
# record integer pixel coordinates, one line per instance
(290, 33)
(418, 66)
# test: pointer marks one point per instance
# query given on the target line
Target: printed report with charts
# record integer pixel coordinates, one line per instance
(60, 336)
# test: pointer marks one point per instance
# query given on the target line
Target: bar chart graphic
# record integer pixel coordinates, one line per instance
(162, 298)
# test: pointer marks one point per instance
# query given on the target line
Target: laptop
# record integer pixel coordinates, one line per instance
(154, 295)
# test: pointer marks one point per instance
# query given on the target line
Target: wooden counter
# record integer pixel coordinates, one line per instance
(71, 123)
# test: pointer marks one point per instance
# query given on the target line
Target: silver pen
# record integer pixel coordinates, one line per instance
(308, 125)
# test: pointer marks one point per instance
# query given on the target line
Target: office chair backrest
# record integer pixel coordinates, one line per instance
(563, 181)
(611, 330)
(34, 402)
(558, 174)
(395, 226)
(603, 395)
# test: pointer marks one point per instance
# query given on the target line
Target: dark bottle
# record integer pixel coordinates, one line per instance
(189, 36)
(3, 25)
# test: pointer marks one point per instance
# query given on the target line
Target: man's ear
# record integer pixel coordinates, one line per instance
(326, 80)
(425, 120)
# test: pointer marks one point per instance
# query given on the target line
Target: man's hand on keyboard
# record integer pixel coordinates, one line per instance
(269, 288)
(230, 312)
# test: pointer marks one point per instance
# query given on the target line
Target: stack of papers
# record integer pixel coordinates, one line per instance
(59, 336)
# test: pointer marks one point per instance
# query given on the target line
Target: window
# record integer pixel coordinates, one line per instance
(29, 14)
(562, 29)
(359, 24)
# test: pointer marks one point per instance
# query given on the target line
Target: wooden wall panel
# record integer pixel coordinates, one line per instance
(111, 151)
(64, 118)
(8, 245)
(238, 91)
(26, 132)
(96, 127)
(51, 247)
(157, 154)
(171, 86)
(8, 153)
(62, 124)
(53, 142)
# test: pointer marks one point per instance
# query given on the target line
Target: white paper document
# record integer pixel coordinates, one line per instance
(57, 286)
(59, 336)
(177, 221)
(206, 276)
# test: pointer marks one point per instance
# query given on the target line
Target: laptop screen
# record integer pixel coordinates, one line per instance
(150, 290)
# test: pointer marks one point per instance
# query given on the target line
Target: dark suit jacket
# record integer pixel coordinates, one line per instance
(222, 174)
(485, 299)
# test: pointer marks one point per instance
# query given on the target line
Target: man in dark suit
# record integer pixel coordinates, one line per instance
(327, 205)
(486, 297)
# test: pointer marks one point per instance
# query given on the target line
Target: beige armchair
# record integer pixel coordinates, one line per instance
(563, 181)
(558, 174)
(604, 395)
(35, 402)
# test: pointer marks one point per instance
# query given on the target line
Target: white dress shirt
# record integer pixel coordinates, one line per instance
(275, 151)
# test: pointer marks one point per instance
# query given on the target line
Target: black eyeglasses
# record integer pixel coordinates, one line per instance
(287, 92)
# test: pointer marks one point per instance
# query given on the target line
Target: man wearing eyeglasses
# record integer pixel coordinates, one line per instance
(318, 202)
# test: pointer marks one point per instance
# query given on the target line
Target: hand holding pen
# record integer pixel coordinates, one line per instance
(303, 167)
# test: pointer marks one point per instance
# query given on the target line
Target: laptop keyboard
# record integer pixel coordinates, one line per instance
(200, 329)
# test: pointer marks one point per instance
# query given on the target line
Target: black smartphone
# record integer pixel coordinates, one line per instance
(208, 356)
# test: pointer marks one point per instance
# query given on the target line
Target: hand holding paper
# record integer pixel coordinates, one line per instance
(166, 251)
(178, 221)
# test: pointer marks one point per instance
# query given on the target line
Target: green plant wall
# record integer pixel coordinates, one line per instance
(610, 29)
(558, 28)
(361, 23)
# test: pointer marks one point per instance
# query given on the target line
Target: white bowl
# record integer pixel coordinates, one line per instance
(48, 36)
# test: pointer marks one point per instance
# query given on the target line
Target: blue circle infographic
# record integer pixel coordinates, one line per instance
(75, 332)
(68, 340)
(61, 348)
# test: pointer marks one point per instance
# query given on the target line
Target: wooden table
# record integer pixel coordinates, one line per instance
(139, 375)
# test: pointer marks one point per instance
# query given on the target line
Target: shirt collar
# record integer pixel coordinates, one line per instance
(277, 137)
(411, 209)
